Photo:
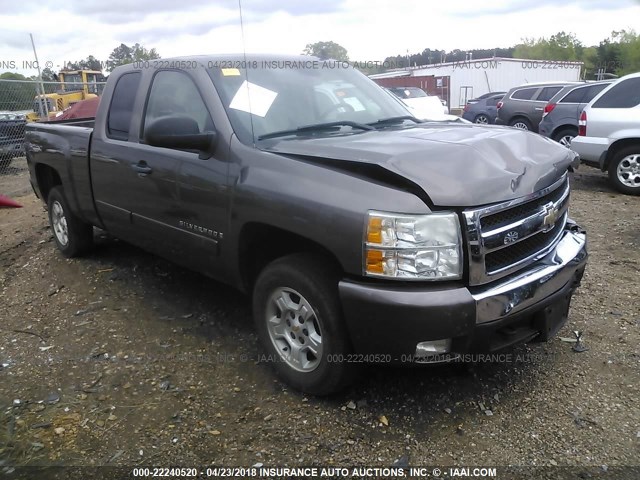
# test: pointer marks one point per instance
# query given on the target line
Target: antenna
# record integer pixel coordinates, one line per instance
(246, 73)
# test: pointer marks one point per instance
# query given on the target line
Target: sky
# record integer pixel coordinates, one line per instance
(370, 30)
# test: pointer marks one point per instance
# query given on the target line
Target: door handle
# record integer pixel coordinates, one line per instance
(142, 167)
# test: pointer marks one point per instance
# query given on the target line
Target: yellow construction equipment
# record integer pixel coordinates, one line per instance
(75, 85)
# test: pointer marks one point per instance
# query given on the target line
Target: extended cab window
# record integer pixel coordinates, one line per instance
(174, 93)
(625, 94)
(524, 94)
(121, 108)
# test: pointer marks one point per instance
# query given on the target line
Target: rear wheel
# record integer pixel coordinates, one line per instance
(520, 123)
(565, 136)
(482, 118)
(72, 236)
(299, 321)
(624, 170)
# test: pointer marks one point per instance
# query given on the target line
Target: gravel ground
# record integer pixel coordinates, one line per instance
(121, 358)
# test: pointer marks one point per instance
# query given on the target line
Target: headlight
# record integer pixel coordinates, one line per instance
(413, 247)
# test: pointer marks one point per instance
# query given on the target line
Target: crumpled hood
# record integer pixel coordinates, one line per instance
(455, 164)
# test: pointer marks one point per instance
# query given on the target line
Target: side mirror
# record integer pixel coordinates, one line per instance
(179, 131)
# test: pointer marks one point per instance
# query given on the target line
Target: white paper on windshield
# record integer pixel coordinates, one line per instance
(253, 99)
(355, 103)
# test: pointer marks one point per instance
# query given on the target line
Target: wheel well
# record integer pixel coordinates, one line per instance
(47, 178)
(260, 244)
(519, 117)
(563, 127)
(616, 147)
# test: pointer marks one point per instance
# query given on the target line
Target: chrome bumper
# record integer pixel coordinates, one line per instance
(536, 283)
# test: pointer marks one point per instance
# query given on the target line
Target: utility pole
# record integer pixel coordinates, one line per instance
(43, 99)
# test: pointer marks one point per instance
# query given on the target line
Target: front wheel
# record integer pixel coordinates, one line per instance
(624, 170)
(299, 321)
(72, 236)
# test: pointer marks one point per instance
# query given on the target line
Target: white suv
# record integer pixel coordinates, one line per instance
(609, 133)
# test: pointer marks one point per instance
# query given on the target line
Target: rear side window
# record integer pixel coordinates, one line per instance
(492, 102)
(547, 92)
(524, 94)
(575, 96)
(121, 108)
(625, 94)
(592, 91)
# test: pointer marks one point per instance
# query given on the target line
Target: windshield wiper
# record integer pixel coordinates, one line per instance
(317, 127)
(394, 121)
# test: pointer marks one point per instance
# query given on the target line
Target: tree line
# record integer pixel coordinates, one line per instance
(618, 54)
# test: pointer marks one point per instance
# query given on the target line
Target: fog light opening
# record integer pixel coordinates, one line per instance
(425, 350)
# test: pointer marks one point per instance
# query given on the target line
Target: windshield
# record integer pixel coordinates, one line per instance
(288, 97)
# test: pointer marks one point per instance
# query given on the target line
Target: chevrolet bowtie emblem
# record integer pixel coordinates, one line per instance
(551, 215)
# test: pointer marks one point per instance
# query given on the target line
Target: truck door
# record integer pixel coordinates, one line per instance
(197, 220)
(134, 185)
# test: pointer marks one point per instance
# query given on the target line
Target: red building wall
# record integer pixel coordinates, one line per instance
(428, 83)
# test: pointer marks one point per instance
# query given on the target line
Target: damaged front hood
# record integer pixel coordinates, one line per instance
(455, 165)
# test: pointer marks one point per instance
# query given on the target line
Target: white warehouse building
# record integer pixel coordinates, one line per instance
(457, 82)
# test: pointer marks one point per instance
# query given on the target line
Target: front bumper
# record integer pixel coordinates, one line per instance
(392, 320)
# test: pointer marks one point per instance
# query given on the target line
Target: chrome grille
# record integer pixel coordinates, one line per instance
(505, 237)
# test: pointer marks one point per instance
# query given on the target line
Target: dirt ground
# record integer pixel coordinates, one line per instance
(121, 358)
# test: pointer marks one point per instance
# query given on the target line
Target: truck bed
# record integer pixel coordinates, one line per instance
(63, 146)
(75, 122)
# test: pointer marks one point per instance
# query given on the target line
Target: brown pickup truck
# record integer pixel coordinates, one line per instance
(361, 233)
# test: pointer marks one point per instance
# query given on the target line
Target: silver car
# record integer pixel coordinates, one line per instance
(609, 133)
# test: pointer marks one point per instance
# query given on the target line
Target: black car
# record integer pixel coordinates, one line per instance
(483, 109)
(11, 137)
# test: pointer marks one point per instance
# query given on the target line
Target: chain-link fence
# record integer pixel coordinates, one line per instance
(23, 101)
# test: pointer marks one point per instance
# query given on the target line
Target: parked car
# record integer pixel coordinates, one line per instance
(560, 115)
(426, 111)
(11, 137)
(609, 133)
(416, 98)
(522, 106)
(483, 109)
(352, 229)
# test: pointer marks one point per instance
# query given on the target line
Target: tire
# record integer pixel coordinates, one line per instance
(284, 291)
(482, 119)
(624, 170)
(565, 136)
(73, 237)
(520, 123)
